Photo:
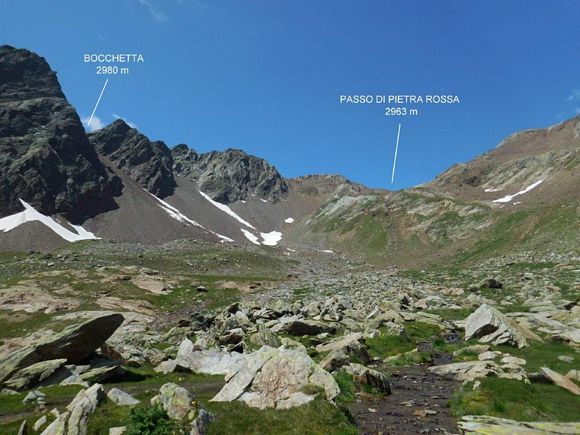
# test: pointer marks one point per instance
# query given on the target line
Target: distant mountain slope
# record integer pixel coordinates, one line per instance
(544, 156)
(45, 157)
(524, 194)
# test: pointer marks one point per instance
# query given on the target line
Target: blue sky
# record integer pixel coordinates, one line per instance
(265, 75)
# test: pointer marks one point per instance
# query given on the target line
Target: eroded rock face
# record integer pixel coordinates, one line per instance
(231, 175)
(45, 156)
(491, 326)
(148, 163)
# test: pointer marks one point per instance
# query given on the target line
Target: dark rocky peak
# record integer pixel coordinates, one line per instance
(184, 160)
(45, 156)
(230, 175)
(147, 162)
(26, 75)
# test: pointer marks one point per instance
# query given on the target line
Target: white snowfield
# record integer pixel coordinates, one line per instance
(268, 239)
(493, 190)
(508, 198)
(251, 237)
(272, 238)
(289, 220)
(227, 210)
(31, 215)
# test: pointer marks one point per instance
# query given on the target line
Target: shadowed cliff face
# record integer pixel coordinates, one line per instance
(45, 156)
(148, 163)
(231, 175)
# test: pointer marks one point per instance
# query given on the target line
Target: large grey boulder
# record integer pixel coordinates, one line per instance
(175, 400)
(82, 406)
(74, 343)
(209, 362)
(560, 380)
(344, 349)
(466, 371)
(237, 382)
(366, 376)
(279, 378)
(58, 426)
(34, 374)
(491, 326)
(121, 397)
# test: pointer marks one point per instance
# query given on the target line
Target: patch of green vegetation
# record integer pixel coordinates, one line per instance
(500, 236)
(347, 388)
(108, 414)
(508, 398)
(21, 323)
(150, 420)
(452, 314)
(543, 354)
(13, 412)
(384, 345)
(317, 417)
(302, 291)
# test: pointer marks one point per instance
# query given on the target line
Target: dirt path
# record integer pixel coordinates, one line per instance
(404, 412)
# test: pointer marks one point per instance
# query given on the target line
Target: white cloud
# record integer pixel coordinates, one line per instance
(574, 95)
(96, 123)
(129, 123)
(153, 10)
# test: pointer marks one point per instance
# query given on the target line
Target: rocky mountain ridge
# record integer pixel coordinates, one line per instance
(45, 157)
(148, 163)
(231, 175)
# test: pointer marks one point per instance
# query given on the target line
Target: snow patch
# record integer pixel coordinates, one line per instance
(508, 198)
(30, 215)
(251, 237)
(493, 190)
(291, 250)
(227, 210)
(328, 251)
(174, 213)
(272, 238)
(177, 215)
(223, 238)
(289, 220)
(263, 200)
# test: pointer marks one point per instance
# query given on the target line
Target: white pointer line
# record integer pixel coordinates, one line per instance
(396, 152)
(97, 105)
